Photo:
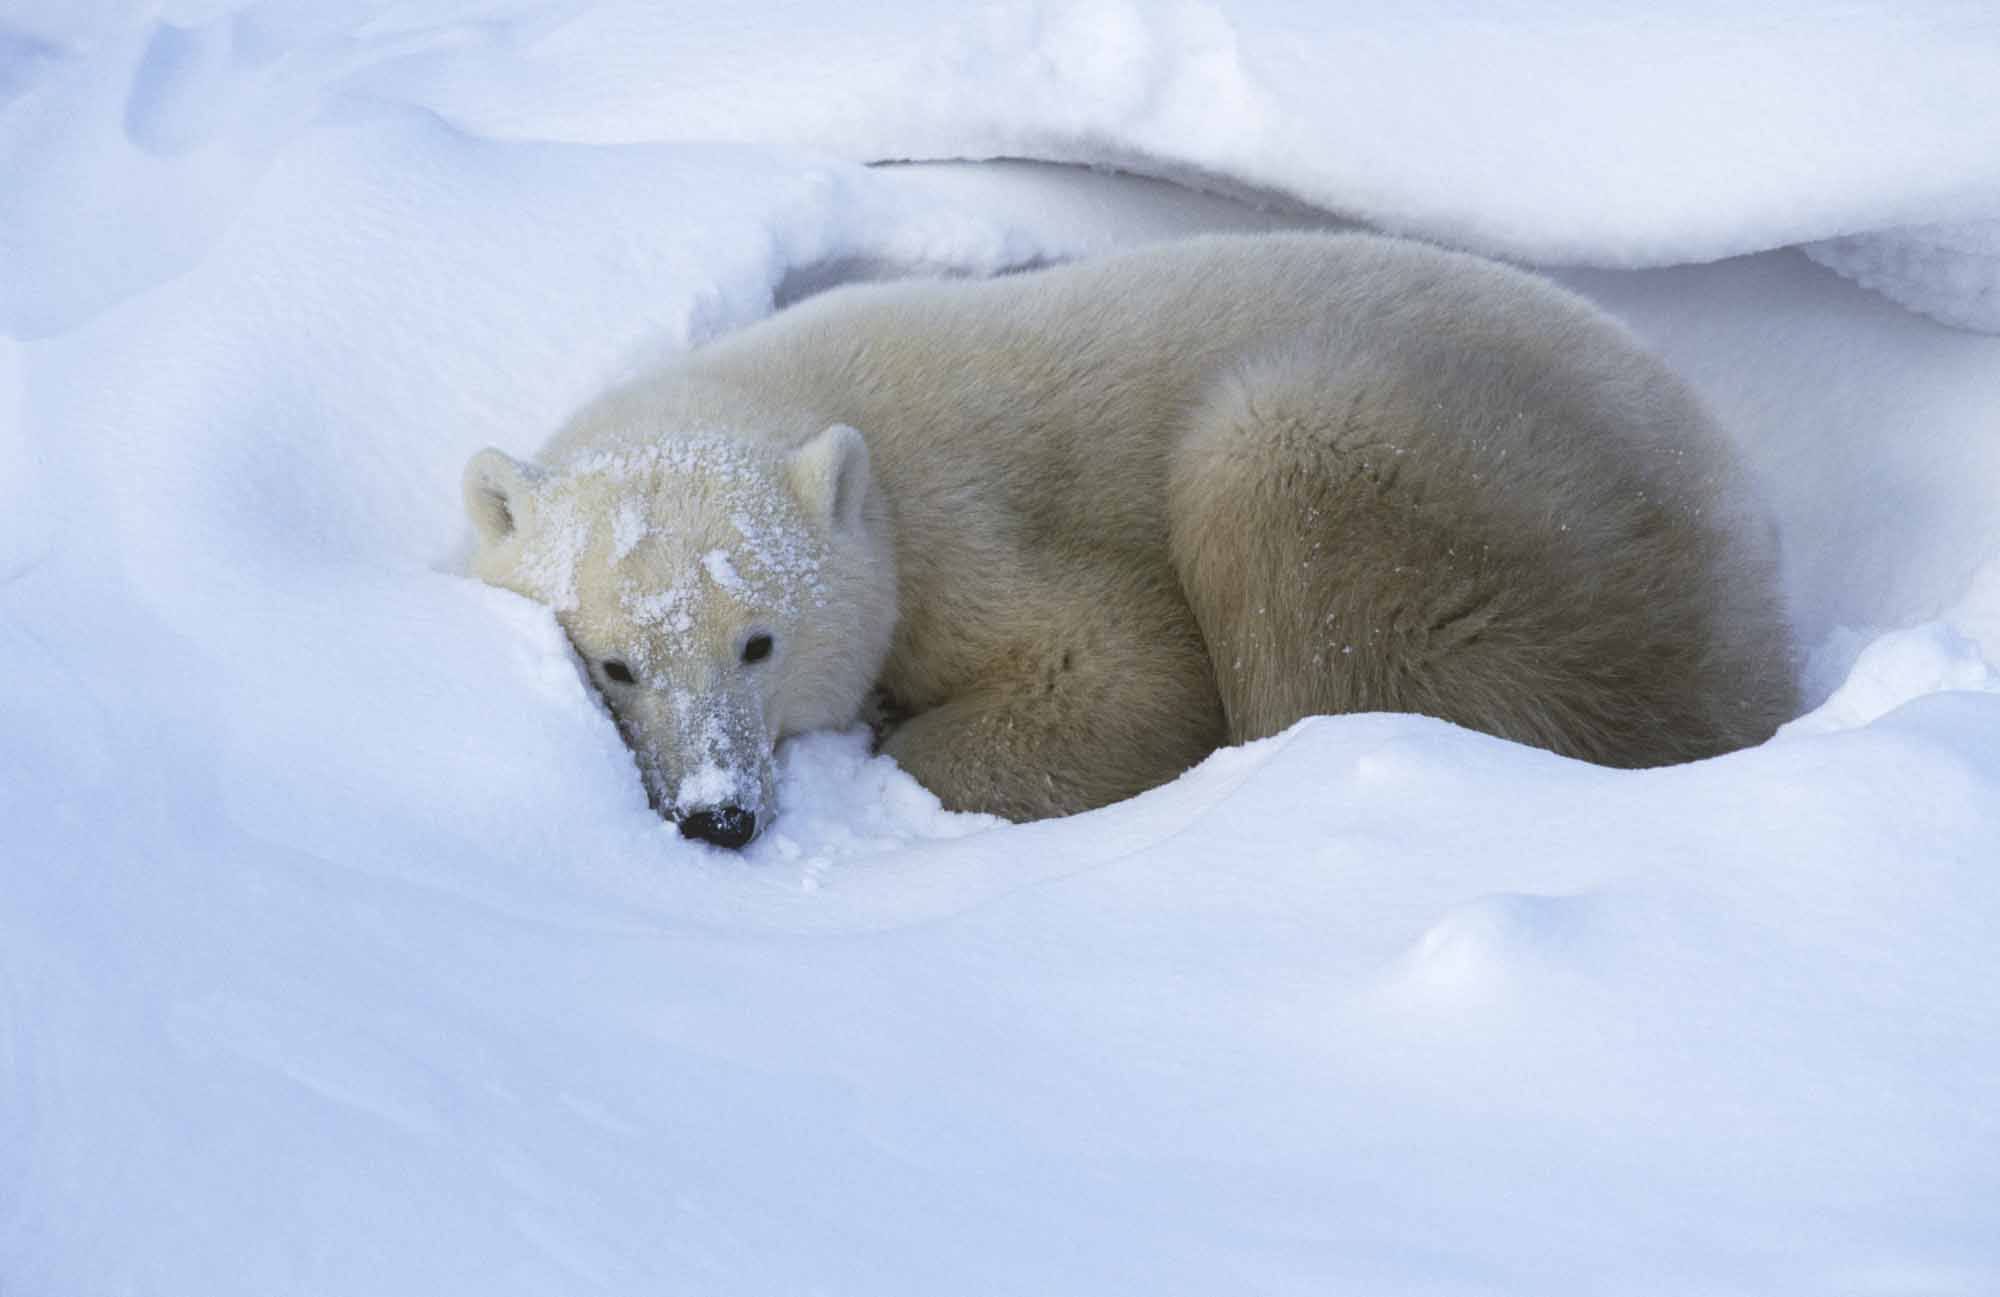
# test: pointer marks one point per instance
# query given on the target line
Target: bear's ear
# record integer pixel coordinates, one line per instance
(829, 475)
(496, 492)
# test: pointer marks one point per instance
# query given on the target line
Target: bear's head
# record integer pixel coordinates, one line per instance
(722, 595)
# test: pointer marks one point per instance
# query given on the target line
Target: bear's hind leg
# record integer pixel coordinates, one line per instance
(1349, 544)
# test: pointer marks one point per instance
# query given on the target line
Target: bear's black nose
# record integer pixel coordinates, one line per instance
(725, 826)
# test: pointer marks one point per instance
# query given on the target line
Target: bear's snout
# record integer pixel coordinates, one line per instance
(705, 760)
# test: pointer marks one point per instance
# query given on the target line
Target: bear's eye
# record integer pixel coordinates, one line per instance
(756, 648)
(618, 671)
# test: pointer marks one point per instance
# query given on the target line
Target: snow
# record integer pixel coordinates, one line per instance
(711, 785)
(1949, 272)
(721, 571)
(340, 951)
(669, 609)
(628, 527)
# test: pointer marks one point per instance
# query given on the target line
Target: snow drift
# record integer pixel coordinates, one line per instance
(339, 951)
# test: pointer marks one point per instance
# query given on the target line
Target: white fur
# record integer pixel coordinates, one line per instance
(1099, 519)
(667, 558)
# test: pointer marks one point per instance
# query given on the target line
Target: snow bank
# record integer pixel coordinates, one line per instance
(339, 951)
(1547, 130)
(1949, 272)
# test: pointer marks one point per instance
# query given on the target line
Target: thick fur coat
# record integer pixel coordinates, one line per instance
(1074, 529)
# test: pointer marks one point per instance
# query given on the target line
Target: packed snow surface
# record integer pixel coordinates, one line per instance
(1551, 130)
(340, 951)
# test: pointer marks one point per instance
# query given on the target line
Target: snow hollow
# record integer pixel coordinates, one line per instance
(339, 950)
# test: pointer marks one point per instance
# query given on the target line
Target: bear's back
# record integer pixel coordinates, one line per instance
(1054, 397)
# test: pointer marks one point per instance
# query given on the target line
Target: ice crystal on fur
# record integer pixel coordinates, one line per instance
(721, 571)
(628, 528)
(549, 559)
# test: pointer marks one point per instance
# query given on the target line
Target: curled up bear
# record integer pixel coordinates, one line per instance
(1061, 534)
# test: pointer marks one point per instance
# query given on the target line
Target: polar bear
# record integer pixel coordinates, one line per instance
(1062, 534)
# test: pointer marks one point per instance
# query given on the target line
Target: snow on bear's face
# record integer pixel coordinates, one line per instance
(720, 595)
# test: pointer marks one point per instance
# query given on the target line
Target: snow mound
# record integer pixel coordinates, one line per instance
(1550, 131)
(1897, 668)
(341, 953)
(1949, 272)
